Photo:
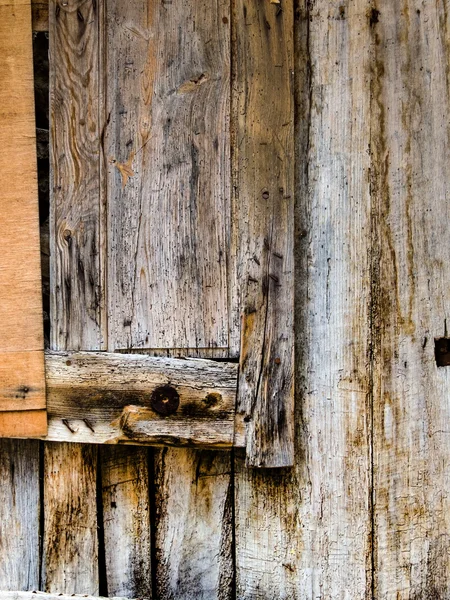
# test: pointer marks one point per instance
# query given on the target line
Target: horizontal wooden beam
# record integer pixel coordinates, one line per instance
(110, 398)
(44, 596)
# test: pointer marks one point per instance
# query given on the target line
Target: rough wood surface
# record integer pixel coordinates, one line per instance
(411, 153)
(32, 595)
(100, 397)
(305, 532)
(39, 14)
(22, 377)
(167, 152)
(19, 514)
(70, 519)
(263, 218)
(126, 519)
(70, 540)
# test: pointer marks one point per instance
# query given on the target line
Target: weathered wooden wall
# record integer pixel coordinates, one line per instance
(364, 512)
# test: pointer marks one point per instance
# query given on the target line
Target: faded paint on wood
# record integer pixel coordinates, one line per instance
(22, 376)
(263, 221)
(19, 514)
(411, 153)
(70, 540)
(126, 521)
(107, 398)
(305, 532)
(168, 171)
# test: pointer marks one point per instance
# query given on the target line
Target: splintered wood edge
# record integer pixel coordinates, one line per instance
(106, 398)
(45, 596)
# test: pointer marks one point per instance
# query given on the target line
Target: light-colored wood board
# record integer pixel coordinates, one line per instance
(126, 517)
(411, 152)
(19, 514)
(194, 533)
(70, 533)
(167, 151)
(22, 378)
(70, 540)
(106, 398)
(39, 15)
(23, 423)
(263, 225)
(306, 532)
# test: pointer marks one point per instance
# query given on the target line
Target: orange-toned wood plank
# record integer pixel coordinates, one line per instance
(21, 334)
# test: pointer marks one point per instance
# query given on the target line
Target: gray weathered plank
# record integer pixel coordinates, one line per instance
(167, 147)
(70, 470)
(411, 154)
(19, 514)
(126, 521)
(263, 223)
(32, 595)
(305, 532)
(106, 398)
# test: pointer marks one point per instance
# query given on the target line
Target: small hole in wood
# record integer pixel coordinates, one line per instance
(442, 352)
(165, 400)
(212, 399)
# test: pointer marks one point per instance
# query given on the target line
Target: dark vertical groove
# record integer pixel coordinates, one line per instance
(152, 505)
(41, 514)
(102, 575)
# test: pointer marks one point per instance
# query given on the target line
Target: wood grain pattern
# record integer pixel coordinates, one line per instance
(126, 522)
(70, 470)
(70, 528)
(167, 147)
(32, 595)
(19, 514)
(305, 532)
(106, 398)
(22, 377)
(411, 153)
(263, 216)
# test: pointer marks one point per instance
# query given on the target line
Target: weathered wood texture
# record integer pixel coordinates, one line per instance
(126, 522)
(305, 532)
(39, 15)
(19, 514)
(70, 540)
(167, 149)
(263, 219)
(32, 595)
(107, 398)
(22, 377)
(411, 153)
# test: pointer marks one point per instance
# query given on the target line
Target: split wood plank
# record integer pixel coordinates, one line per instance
(263, 221)
(168, 169)
(19, 514)
(106, 398)
(411, 153)
(306, 532)
(70, 539)
(22, 376)
(126, 517)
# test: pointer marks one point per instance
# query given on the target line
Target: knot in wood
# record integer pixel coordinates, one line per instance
(165, 400)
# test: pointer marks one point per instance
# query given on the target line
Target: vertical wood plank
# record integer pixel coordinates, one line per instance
(411, 153)
(70, 543)
(22, 376)
(126, 521)
(167, 146)
(19, 515)
(263, 216)
(305, 532)
(193, 537)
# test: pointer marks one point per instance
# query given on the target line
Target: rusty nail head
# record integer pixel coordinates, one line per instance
(165, 400)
